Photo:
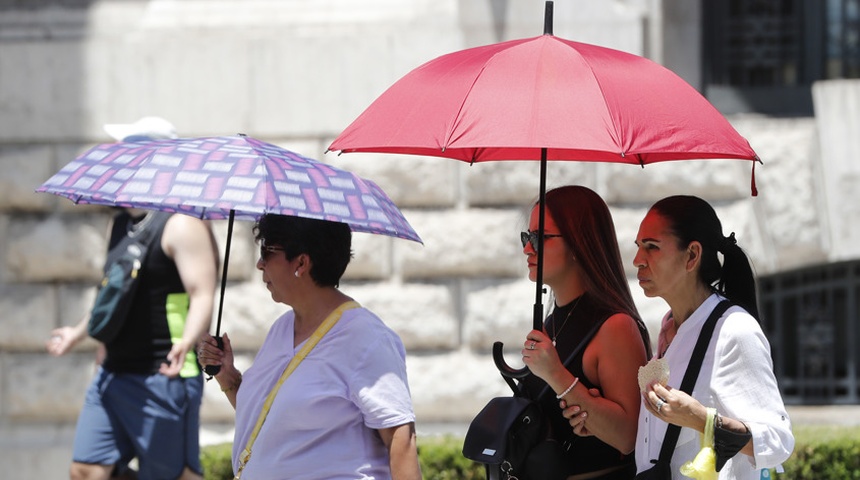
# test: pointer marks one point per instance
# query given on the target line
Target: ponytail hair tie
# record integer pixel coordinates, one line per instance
(728, 242)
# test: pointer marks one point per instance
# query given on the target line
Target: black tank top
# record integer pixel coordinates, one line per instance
(584, 454)
(144, 341)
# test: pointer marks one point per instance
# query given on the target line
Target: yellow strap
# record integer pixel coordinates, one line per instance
(318, 334)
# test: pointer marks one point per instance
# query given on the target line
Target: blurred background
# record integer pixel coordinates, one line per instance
(786, 73)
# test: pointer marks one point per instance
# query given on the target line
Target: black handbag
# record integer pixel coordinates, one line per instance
(510, 435)
(662, 469)
(126, 254)
(502, 435)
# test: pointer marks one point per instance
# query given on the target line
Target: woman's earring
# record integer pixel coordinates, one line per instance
(297, 274)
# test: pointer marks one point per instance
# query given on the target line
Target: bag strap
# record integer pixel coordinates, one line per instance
(690, 376)
(148, 231)
(315, 337)
(119, 229)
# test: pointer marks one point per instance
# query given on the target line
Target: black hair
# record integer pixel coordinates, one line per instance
(693, 219)
(328, 244)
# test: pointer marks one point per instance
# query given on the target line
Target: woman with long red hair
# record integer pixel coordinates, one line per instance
(592, 339)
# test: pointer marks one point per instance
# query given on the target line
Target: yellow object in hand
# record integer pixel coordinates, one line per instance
(704, 466)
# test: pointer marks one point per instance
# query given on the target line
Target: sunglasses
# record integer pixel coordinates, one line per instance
(268, 250)
(532, 238)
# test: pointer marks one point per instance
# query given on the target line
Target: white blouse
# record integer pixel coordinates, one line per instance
(737, 379)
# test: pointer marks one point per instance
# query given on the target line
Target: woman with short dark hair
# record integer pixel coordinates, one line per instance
(345, 412)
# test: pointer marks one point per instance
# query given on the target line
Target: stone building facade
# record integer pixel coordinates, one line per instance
(295, 74)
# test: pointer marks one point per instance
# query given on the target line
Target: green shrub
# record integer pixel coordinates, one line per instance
(216, 461)
(831, 453)
(440, 459)
(827, 452)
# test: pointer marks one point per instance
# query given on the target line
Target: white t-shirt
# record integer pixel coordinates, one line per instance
(737, 379)
(323, 422)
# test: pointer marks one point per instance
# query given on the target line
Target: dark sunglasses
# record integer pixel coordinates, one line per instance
(267, 250)
(532, 238)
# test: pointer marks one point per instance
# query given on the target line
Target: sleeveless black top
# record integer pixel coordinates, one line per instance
(584, 454)
(144, 341)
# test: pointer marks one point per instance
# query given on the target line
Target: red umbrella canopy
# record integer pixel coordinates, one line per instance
(509, 100)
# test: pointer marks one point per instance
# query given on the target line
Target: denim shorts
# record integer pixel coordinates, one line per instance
(151, 417)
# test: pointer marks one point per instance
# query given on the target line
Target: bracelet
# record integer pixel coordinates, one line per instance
(568, 389)
(718, 420)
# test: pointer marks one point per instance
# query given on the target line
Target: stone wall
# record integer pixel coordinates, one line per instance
(295, 74)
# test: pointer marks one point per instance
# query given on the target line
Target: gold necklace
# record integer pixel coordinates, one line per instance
(555, 323)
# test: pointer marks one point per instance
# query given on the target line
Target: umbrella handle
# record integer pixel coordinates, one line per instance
(505, 369)
(213, 370)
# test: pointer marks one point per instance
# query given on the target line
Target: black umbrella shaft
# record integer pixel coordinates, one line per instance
(213, 370)
(224, 271)
(547, 19)
(538, 311)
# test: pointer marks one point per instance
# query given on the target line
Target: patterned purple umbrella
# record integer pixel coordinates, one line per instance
(214, 177)
(226, 178)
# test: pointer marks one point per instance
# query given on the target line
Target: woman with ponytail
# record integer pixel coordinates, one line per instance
(684, 258)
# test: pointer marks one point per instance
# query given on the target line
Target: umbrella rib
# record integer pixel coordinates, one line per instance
(618, 133)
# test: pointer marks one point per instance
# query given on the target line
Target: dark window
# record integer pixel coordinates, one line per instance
(764, 55)
(842, 58)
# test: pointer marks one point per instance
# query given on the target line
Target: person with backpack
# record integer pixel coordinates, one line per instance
(144, 400)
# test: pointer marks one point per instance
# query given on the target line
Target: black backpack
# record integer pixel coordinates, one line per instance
(126, 255)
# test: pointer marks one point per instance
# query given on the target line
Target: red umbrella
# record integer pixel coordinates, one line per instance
(544, 98)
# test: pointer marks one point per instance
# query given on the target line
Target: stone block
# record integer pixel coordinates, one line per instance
(607, 24)
(37, 449)
(409, 180)
(499, 311)
(56, 248)
(838, 121)
(371, 257)
(40, 387)
(468, 243)
(152, 73)
(249, 312)
(741, 218)
(5, 229)
(29, 316)
(75, 301)
(518, 182)
(423, 315)
(36, 106)
(790, 199)
(714, 179)
(243, 250)
(24, 168)
(452, 387)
